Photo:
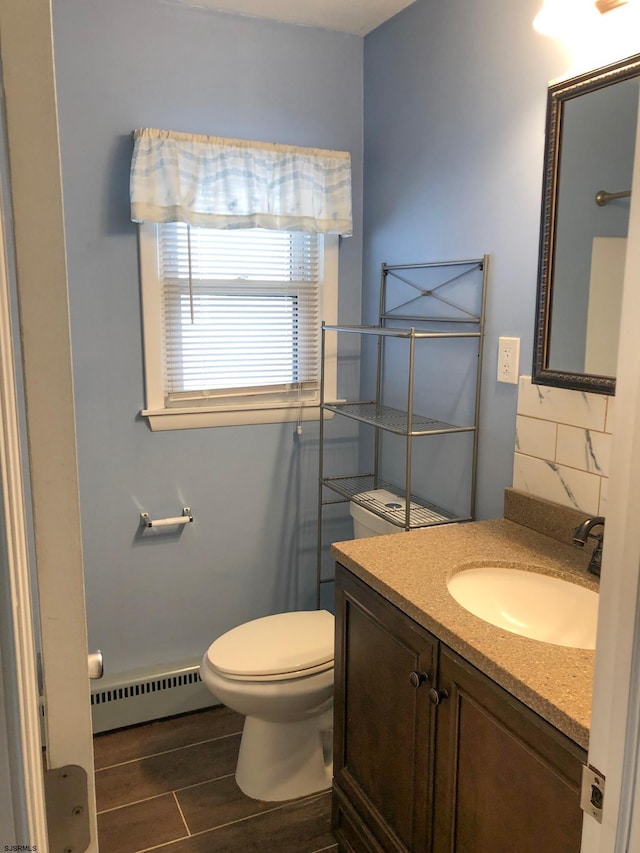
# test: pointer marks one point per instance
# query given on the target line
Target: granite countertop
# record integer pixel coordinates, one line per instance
(411, 571)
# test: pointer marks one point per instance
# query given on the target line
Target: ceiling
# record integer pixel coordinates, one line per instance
(349, 16)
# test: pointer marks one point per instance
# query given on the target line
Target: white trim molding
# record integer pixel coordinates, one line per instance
(25, 746)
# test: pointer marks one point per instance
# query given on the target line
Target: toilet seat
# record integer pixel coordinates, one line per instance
(274, 648)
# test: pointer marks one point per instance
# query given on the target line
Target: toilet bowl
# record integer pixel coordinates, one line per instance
(278, 672)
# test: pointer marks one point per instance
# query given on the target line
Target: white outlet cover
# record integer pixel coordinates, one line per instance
(508, 360)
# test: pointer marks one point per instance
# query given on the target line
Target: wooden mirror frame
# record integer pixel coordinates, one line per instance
(558, 95)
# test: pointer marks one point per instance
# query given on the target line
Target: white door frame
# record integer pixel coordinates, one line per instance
(21, 711)
(614, 744)
(26, 50)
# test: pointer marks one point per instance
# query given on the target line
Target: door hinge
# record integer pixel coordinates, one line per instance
(67, 798)
(592, 796)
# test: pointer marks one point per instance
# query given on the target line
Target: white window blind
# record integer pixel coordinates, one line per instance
(241, 315)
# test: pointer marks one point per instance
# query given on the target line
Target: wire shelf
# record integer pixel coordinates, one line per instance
(421, 512)
(389, 332)
(393, 420)
(422, 302)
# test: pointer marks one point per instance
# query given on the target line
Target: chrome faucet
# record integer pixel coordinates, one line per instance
(583, 532)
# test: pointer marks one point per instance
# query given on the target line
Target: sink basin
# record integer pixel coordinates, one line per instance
(529, 604)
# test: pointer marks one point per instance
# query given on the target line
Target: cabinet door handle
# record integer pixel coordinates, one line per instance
(417, 678)
(437, 696)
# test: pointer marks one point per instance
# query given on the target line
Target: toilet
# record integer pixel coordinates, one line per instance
(278, 672)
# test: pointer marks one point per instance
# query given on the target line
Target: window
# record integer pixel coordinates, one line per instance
(232, 324)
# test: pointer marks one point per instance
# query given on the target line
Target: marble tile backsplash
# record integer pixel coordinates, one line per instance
(563, 445)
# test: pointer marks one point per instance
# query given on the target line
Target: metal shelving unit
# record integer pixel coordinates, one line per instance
(416, 322)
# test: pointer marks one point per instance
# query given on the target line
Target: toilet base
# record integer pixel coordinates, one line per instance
(282, 761)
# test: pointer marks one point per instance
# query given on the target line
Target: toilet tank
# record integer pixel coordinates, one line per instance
(366, 523)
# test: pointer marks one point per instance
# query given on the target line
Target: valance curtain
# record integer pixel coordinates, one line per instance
(233, 183)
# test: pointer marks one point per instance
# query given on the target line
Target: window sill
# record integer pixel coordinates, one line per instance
(199, 418)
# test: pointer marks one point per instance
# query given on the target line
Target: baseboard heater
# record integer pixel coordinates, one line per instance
(141, 695)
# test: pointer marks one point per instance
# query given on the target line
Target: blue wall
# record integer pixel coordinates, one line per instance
(122, 65)
(455, 97)
(454, 105)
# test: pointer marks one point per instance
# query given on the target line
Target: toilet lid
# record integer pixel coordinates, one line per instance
(276, 645)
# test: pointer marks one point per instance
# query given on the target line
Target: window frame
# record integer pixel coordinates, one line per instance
(242, 409)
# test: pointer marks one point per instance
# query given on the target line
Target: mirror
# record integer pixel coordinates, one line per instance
(589, 155)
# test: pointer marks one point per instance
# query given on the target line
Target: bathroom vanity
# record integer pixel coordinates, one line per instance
(452, 734)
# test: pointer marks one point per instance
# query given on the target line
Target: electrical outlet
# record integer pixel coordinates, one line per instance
(508, 360)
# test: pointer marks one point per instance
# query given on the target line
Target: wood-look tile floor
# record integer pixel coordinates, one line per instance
(169, 786)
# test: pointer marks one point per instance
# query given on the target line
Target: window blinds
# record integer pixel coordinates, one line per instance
(241, 313)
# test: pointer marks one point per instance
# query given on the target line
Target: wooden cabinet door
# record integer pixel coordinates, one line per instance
(506, 781)
(383, 756)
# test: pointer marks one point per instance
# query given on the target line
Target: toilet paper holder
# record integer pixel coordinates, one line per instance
(185, 518)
